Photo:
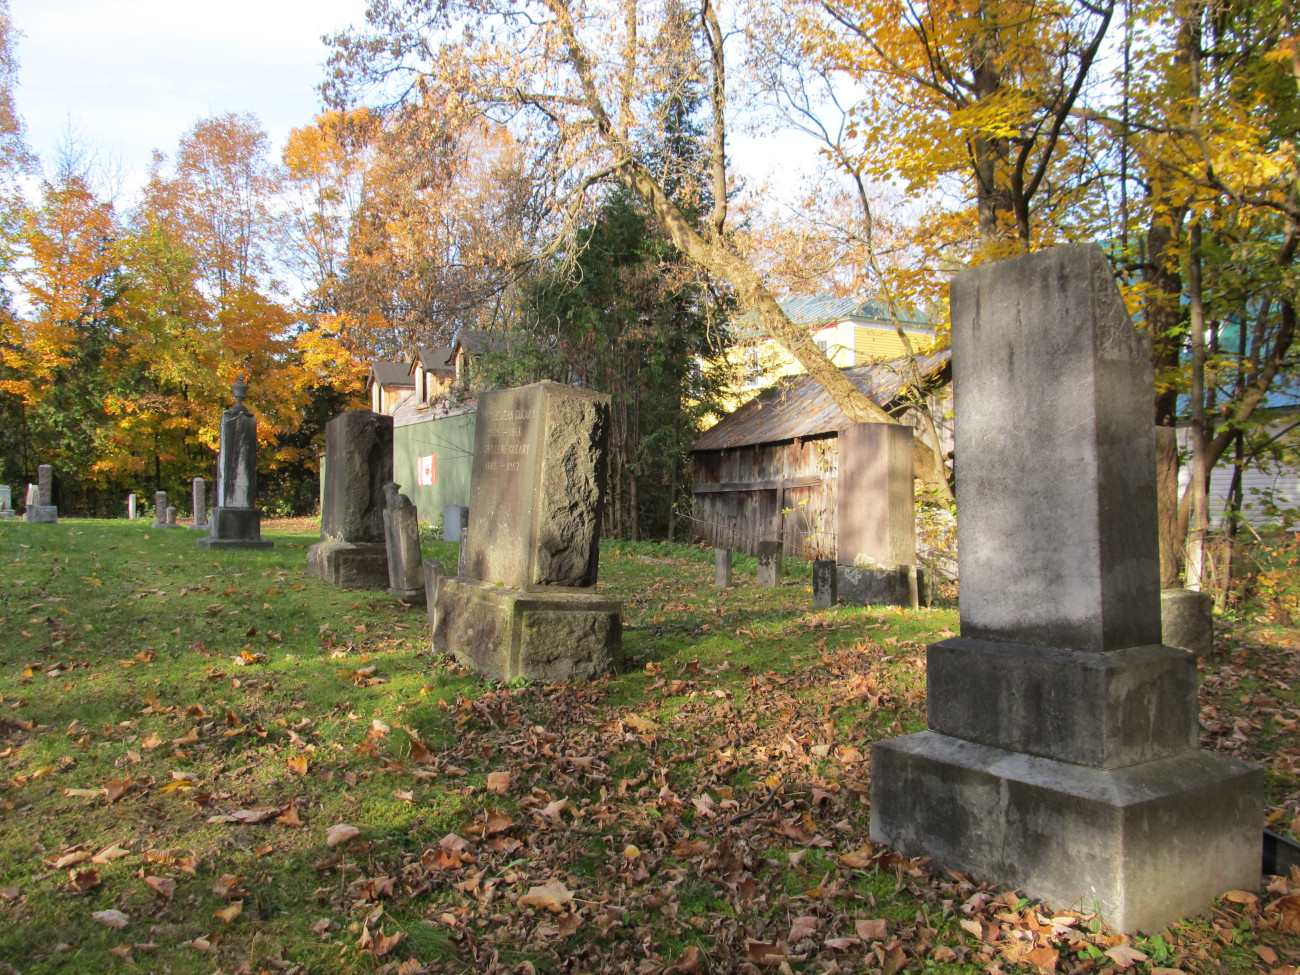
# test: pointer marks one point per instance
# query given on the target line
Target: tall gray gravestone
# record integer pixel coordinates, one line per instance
(236, 522)
(523, 603)
(130, 507)
(455, 518)
(199, 500)
(159, 509)
(352, 552)
(402, 536)
(6, 502)
(875, 545)
(1062, 752)
(43, 512)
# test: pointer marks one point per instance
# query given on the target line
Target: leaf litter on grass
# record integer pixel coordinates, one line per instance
(346, 802)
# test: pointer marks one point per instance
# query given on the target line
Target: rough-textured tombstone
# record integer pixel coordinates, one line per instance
(131, 512)
(159, 509)
(434, 572)
(199, 500)
(770, 554)
(236, 522)
(1187, 620)
(455, 519)
(722, 568)
(522, 604)
(352, 552)
(1062, 752)
(876, 518)
(171, 516)
(6, 502)
(43, 511)
(402, 535)
(825, 585)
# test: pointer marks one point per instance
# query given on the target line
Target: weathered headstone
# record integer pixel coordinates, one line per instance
(402, 535)
(522, 605)
(43, 512)
(455, 518)
(199, 499)
(6, 502)
(770, 553)
(876, 518)
(433, 575)
(722, 568)
(1062, 752)
(824, 584)
(1187, 620)
(171, 516)
(159, 509)
(359, 461)
(131, 507)
(236, 522)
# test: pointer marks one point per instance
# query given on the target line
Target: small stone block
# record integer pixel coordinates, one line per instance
(1187, 620)
(42, 514)
(350, 565)
(825, 584)
(769, 564)
(901, 586)
(722, 568)
(545, 636)
(1142, 845)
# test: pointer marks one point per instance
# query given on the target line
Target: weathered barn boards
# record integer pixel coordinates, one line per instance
(771, 469)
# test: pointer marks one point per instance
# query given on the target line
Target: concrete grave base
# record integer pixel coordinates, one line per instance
(415, 597)
(42, 514)
(1142, 846)
(882, 587)
(7, 513)
(1187, 620)
(350, 565)
(235, 528)
(547, 636)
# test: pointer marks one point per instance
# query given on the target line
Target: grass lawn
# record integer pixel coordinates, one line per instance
(213, 763)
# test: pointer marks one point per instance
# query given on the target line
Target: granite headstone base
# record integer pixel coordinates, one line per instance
(546, 636)
(883, 587)
(1187, 620)
(42, 514)
(350, 565)
(1142, 845)
(235, 528)
(7, 513)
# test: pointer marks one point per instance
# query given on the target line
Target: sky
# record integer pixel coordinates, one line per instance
(131, 76)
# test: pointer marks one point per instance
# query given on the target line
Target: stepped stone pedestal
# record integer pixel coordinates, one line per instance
(1061, 757)
(522, 604)
(44, 511)
(352, 552)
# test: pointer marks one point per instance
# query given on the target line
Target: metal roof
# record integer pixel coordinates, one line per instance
(800, 407)
(818, 311)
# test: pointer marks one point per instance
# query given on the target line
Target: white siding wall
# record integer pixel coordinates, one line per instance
(1284, 483)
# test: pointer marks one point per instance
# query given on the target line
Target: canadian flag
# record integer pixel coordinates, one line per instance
(427, 472)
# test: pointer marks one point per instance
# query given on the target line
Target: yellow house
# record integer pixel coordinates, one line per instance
(850, 331)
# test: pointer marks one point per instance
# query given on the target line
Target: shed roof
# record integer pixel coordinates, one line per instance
(389, 373)
(799, 406)
(435, 359)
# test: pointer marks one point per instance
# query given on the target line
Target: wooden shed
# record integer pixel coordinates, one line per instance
(771, 469)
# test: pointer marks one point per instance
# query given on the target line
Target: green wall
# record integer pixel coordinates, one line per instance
(451, 441)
